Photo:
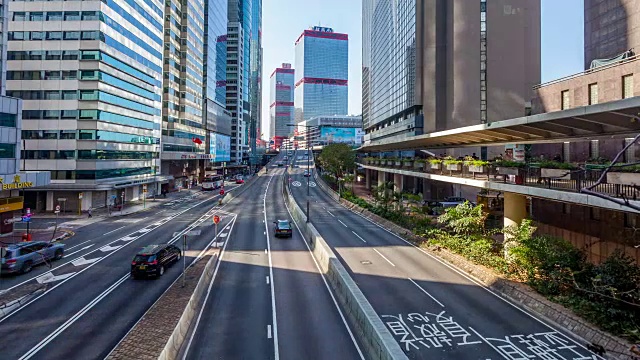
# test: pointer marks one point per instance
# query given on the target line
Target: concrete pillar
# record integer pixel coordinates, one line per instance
(381, 178)
(49, 202)
(410, 183)
(515, 209)
(398, 182)
(367, 178)
(426, 190)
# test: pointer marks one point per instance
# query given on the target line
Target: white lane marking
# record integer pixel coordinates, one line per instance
(129, 238)
(49, 277)
(92, 262)
(145, 230)
(471, 278)
(326, 284)
(488, 343)
(77, 251)
(354, 233)
(265, 251)
(273, 292)
(330, 213)
(82, 261)
(345, 225)
(267, 280)
(107, 248)
(76, 245)
(107, 233)
(425, 291)
(144, 218)
(73, 319)
(268, 331)
(384, 257)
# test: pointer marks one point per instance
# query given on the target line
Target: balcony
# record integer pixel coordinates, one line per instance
(541, 180)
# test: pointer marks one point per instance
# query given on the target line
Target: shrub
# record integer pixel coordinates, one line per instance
(464, 219)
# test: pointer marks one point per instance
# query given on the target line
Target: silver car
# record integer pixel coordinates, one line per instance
(22, 257)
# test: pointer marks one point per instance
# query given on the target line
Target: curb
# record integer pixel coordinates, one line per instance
(175, 342)
(377, 341)
(526, 299)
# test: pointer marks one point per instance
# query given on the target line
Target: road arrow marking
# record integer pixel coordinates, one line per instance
(222, 235)
(82, 261)
(49, 277)
(145, 230)
(107, 248)
(128, 238)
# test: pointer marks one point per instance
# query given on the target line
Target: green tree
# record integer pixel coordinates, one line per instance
(464, 219)
(338, 159)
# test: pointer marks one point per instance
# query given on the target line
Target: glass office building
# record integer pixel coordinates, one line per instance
(321, 79)
(281, 103)
(255, 82)
(90, 76)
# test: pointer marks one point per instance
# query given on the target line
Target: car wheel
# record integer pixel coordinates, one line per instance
(178, 257)
(161, 270)
(26, 267)
(59, 254)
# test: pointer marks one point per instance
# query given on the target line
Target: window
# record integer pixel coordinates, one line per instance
(90, 55)
(69, 114)
(54, 55)
(90, 35)
(8, 120)
(70, 55)
(71, 15)
(88, 75)
(52, 95)
(54, 35)
(51, 114)
(88, 95)
(19, 16)
(32, 114)
(627, 86)
(36, 16)
(593, 94)
(37, 55)
(67, 134)
(52, 75)
(69, 95)
(69, 75)
(17, 35)
(595, 213)
(54, 16)
(72, 35)
(37, 35)
(566, 101)
(7, 151)
(90, 15)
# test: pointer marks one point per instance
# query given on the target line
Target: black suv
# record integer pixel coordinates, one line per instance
(154, 259)
(283, 228)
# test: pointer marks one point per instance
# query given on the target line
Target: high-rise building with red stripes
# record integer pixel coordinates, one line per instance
(321, 79)
(281, 104)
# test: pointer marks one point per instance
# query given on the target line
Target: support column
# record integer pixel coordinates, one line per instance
(367, 178)
(398, 182)
(381, 178)
(515, 209)
(426, 190)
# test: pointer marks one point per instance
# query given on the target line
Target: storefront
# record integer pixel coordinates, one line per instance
(12, 188)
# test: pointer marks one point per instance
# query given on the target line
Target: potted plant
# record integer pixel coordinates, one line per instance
(624, 175)
(390, 161)
(435, 164)
(556, 169)
(452, 164)
(397, 162)
(418, 164)
(407, 163)
(507, 167)
(475, 166)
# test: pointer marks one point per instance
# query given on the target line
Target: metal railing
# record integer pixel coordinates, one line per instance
(530, 175)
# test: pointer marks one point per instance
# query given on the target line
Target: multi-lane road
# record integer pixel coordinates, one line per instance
(268, 299)
(433, 310)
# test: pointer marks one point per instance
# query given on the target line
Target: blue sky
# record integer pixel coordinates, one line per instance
(284, 20)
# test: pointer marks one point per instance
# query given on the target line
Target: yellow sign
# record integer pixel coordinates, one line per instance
(17, 184)
(11, 207)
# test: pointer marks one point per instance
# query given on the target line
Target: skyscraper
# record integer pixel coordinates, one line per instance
(90, 75)
(255, 85)
(321, 78)
(281, 103)
(216, 117)
(434, 65)
(183, 129)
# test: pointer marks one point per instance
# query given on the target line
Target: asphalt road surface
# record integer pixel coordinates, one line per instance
(268, 299)
(433, 310)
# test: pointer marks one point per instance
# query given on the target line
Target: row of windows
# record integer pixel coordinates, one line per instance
(101, 135)
(594, 94)
(44, 94)
(55, 35)
(119, 83)
(88, 155)
(7, 120)
(7, 151)
(43, 75)
(119, 101)
(182, 134)
(117, 119)
(55, 15)
(100, 174)
(180, 148)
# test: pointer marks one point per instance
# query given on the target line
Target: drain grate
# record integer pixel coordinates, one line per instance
(365, 262)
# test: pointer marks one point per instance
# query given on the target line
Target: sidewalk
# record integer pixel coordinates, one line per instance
(36, 235)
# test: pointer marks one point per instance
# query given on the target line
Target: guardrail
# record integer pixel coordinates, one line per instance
(377, 341)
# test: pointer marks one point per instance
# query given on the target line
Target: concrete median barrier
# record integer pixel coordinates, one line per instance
(377, 341)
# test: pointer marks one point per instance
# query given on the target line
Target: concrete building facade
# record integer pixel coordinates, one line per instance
(281, 102)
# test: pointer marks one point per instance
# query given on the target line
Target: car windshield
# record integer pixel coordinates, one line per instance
(283, 224)
(144, 258)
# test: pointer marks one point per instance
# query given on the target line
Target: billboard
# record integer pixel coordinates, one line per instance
(220, 147)
(330, 135)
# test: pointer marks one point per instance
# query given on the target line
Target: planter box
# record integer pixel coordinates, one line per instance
(476, 169)
(623, 178)
(454, 167)
(437, 166)
(555, 173)
(389, 162)
(398, 163)
(418, 165)
(508, 170)
(407, 163)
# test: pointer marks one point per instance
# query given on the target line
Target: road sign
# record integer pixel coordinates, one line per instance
(221, 191)
(62, 199)
(57, 209)
(28, 211)
(216, 219)
(26, 218)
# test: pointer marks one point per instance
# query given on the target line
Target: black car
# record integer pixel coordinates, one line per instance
(154, 259)
(283, 228)
(306, 174)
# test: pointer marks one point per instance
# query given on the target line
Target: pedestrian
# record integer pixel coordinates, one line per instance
(89, 212)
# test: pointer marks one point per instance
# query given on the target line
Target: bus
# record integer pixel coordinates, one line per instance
(212, 182)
